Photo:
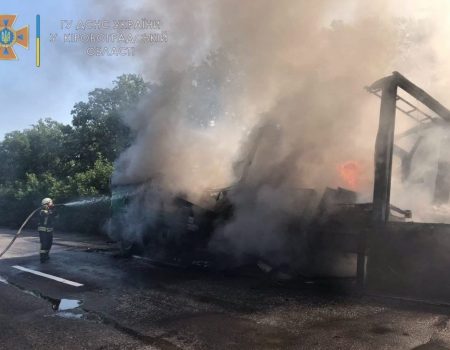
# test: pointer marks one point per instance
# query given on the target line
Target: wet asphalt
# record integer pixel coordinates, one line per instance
(137, 304)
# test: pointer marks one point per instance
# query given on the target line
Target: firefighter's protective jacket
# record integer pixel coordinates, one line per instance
(46, 219)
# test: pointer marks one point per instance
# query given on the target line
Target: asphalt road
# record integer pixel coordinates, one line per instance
(90, 299)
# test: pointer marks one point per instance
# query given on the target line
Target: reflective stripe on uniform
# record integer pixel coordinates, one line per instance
(43, 251)
(45, 229)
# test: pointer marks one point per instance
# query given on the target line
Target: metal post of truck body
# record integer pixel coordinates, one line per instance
(384, 147)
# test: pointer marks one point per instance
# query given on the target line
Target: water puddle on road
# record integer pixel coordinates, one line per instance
(65, 304)
(71, 309)
(61, 306)
(70, 315)
(64, 307)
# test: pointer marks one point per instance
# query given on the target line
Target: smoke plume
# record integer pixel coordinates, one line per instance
(232, 67)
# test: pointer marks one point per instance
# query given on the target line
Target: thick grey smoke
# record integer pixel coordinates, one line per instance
(299, 66)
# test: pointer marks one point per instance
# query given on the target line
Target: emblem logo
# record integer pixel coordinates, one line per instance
(9, 37)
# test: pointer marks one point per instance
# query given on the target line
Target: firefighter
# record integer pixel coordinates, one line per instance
(47, 216)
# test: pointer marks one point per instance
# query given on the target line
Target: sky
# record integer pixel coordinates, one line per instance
(66, 74)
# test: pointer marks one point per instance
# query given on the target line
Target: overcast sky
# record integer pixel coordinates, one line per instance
(66, 74)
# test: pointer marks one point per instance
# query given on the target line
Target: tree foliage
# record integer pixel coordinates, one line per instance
(67, 162)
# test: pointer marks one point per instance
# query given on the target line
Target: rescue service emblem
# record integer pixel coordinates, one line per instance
(9, 37)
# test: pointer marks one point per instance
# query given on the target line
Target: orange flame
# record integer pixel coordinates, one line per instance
(350, 172)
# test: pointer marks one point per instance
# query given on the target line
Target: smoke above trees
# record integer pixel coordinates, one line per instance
(232, 67)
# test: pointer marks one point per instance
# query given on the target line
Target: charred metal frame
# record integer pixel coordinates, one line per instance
(386, 88)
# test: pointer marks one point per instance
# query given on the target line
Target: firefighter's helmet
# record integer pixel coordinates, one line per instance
(46, 201)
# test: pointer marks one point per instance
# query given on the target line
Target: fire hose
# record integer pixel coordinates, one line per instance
(23, 225)
(18, 232)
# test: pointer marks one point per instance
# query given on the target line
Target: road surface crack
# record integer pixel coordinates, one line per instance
(158, 341)
(93, 315)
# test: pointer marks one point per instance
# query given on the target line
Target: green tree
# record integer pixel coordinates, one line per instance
(35, 150)
(67, 162)
(98, 129)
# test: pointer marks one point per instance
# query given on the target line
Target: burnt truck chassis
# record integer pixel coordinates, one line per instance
(394, 255)
(174, 230)
(397, 257)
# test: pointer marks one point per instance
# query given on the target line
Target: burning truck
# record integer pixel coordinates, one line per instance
(389, 252)
(165, 226)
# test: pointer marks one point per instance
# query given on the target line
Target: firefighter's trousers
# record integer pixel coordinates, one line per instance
(46, 239)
